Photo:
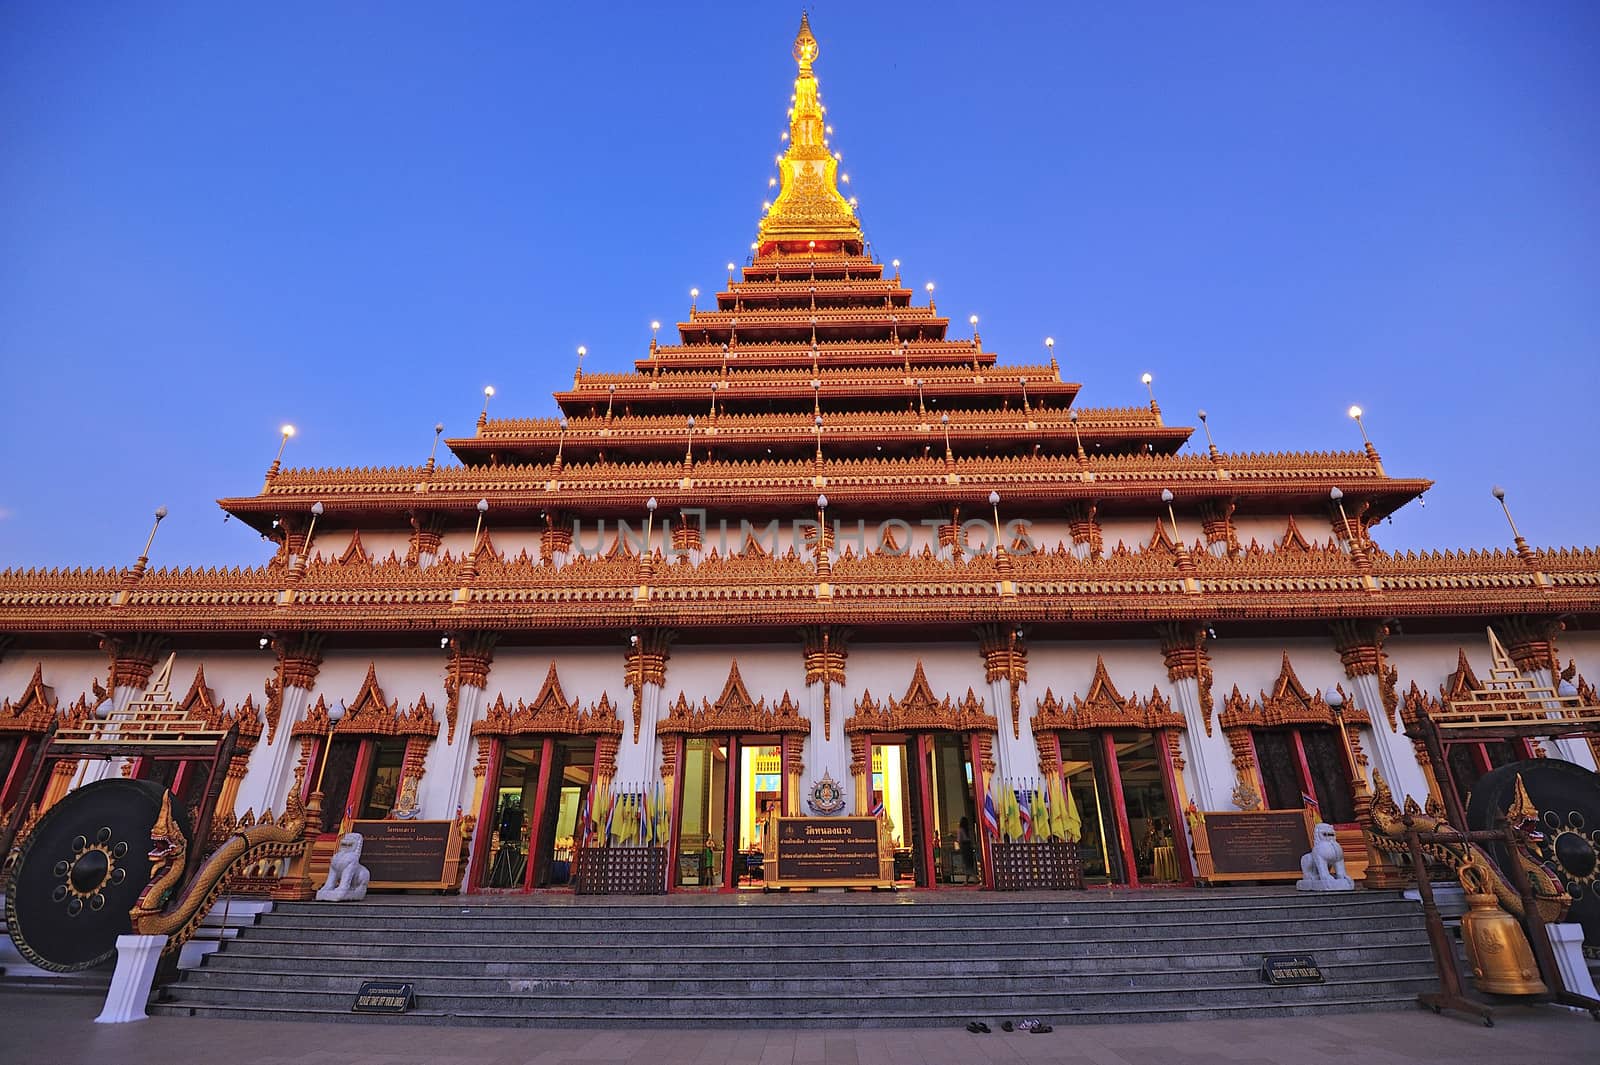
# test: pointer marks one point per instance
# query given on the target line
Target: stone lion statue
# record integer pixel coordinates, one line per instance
(347, 877)
(1322, 869)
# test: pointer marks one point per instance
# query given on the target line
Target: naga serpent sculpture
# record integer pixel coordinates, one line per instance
(161, 910)
(1388, 834)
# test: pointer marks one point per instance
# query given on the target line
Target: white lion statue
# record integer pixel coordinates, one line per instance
(347, 877)
(1323, 868)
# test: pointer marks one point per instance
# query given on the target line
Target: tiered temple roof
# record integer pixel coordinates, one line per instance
(816, 372)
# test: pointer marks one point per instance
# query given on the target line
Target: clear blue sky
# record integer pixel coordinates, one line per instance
(215, 218)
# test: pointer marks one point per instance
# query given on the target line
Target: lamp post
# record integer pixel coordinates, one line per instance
(1355, 415)
(1337, 495)
(582, 352)
(816, 395)
(1050, 348)
(920, 408)
(694, 294)
(144, 556)
(972, 320)
(655, 327)
(944, 420)
(688, 451)
(1023, 381)
(817, 422)
(1211, 445)
(286, 432)
(649, 524)
(482, 508)
(896, 265)
(561, 441)
(929, 289)
(1358, 780)
(730, 273)
(483, 415)
(1072, 416)
(438, 428)
(1166, 497)
(1516, 536)
(1147, 380)
(316, 512)
(994, 503)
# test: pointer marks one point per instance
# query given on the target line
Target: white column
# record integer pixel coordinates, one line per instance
(137, 959)
(1566, 943)
(447, 780)
(639, 761)
(266, 782)
(1016, 756)
(826, 755)
(1392, 753)
(1208, 760)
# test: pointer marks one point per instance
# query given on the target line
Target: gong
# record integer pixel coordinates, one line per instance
(1568, 799)
(81, 870)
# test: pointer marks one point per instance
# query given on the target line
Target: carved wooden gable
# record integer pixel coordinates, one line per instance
(371, 714)
(734, 711)
(34, 708)
(550, 713)
(1288, 703)
(1461, 683)
(1104, 707)
(920, 711)
(201, 704)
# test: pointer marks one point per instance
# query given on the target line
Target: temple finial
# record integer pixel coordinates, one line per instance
(809, 217)
(805, 45)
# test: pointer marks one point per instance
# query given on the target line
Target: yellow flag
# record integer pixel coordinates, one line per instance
(1069, 825)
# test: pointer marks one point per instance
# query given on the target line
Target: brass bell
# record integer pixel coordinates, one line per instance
(1497, 948)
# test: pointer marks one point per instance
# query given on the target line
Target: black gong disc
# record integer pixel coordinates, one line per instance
(1568, 798)
(81, 870)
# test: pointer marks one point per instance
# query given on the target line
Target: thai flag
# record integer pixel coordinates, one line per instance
(877, 807)
(991, 818)
(1026, 818)
(643, 814)
(583, 820)
(1309, 800)
(611, 813)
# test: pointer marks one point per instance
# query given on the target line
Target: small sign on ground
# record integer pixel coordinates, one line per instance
(383, 996)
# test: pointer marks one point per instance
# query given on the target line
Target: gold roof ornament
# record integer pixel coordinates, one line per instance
(810, 216)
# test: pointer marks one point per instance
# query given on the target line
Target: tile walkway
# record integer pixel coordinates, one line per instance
(45, 1029)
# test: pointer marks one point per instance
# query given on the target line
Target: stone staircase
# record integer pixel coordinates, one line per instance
(835, 960)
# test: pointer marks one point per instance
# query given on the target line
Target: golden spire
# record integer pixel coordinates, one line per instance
(809, 214)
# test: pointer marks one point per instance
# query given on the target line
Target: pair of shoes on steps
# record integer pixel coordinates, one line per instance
(1032, 1024)
(977, 1027)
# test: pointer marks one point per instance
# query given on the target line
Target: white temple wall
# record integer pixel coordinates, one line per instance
(69, 674)
(378, 543)
(1583, 648)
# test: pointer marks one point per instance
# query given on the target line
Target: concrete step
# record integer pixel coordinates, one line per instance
(531, 965)
(753, 961)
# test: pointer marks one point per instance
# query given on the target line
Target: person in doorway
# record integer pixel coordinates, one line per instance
(969, 867)
(708, 862)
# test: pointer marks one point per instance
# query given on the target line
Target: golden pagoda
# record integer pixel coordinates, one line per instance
(814, 556)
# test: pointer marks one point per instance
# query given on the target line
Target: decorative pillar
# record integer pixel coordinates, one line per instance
(826, 748)
(1216, 520)
(266, 783)
(466, 682)
(1005, 665)
(427, 527)
(1083, 520)
(792, 752)
(555, 544)
(1360, 647)
(688, 538)
(952, 544)
(646, 673)
(861, 772)
(1183, 649)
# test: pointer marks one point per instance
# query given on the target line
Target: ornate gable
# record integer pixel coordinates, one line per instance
(1463, 681)
(371, 714)
(1104, 707)
(1288, 703)
(34, 708)
(920, 710)
(734, 711)
(356, 553)
(1292, 540)
(550, 713)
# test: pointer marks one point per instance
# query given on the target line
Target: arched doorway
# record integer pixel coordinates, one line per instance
(921, 763)
(728, 764)
(541, 766)
(1120, 762)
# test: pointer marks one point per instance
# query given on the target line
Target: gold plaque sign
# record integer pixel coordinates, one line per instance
(828, 852)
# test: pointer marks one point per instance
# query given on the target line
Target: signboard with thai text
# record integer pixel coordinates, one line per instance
(1252, 844)
(827, 852)
(410, 854)
(383, 996)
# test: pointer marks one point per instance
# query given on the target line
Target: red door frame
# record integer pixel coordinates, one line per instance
(1108, 747)
(730, 815)
(1179, 822)
(923, 742)
(486, 809)
(541, 802)
(980, 786)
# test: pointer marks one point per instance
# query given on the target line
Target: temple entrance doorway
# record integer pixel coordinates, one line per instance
(541, 784)
(1122, 783)
(727, 787)
(923, 784)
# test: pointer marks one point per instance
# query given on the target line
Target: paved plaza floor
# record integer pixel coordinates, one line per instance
(40, 1029)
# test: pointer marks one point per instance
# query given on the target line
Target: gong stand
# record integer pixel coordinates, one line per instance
(209, 747)
(1432, 734)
